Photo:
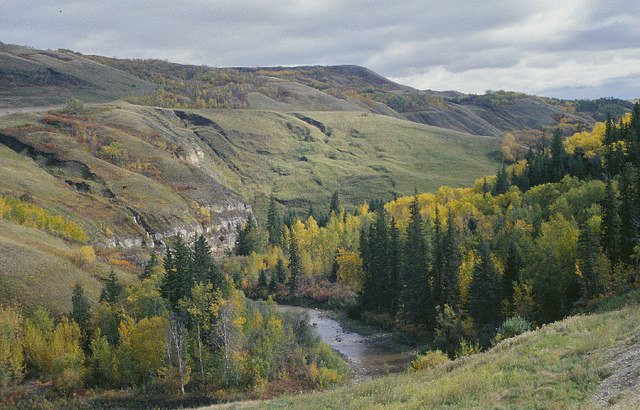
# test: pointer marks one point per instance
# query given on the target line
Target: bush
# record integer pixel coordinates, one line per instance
(429, 360)
(74, 106)
(11, 353)
(83, 256)
(466, 348)
(511, 327)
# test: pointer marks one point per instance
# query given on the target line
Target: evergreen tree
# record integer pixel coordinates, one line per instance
(281, 272)
(81, 310)
(374, 291)
(263, 281)
(485, 293)
(611, 225)
(415, 285)
(512, 266)
(201, 262)
(112, 291)
(335, 203)
(247, 240)
(558, 155)
(437, 267)
(588, 250)
(335, 266)
(451, 260)
(295, 264)
(149, 266)
(629, 211)
(274, 223)
(502, 182)
(393, 284)
(178, 279)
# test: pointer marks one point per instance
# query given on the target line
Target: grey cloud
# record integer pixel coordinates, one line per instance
(427, 44)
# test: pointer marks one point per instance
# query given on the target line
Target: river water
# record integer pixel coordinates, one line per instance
(369, 355)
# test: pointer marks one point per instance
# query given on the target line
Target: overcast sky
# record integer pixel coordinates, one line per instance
(570, 49)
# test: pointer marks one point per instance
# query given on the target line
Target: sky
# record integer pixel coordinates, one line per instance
(565, 49)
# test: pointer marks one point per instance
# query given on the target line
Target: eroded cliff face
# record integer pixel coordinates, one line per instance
(221, 231)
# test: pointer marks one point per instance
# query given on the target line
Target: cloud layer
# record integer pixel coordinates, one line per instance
(576, 49)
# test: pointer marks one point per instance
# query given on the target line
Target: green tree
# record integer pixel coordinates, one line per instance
(587, 270)
(150, 266)
(415, 265)
(274, 222)
(81, 311)
(611, 225)
(512, 267)
(451, 260)
(485, 293)
(112, 292)
(335, 203)
(295, 264)
(502, 182)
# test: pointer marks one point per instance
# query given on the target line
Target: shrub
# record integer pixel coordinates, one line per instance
(114, 152)
(466, 348)
(511, 327)
(429, 360)
(83, 256)
(74, 106)
(11, 352)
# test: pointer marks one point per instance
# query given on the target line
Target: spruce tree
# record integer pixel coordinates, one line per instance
(393, 283)
(335, 266)
(263, 281)
(335, 203)
(451, 260)
(295, 264)
(81, 310)
(274, 223)
(629, 211)
(502, 182)
(149, 266)
(558, 155)
(201, 261)
(281, 272)
(415, 285)
(611, 225)
(588, 250)
(485, 293)
(437, 267)
(112, 291)
(512, 267)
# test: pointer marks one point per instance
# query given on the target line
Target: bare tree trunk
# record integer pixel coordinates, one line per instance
(200, 353)
(176, 330)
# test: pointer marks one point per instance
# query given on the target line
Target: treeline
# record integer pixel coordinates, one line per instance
(557, 230)
(183, 329)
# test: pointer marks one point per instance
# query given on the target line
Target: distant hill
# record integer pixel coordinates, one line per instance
(32, 77)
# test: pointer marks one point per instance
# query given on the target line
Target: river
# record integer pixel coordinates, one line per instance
(369, 356)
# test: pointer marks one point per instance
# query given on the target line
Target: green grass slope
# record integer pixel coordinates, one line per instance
(580, 362)
(37, 269)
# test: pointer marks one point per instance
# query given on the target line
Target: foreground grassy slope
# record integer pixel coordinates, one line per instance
(583, 361)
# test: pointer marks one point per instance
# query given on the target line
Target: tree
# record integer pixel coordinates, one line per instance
(201, 262)
(558, 156)
(274, 222)
(335, 203)
(263, 280)
(485, 293)
(451, 260)
(393, 284)
(611, 225)
(295, 264)
(512, 266)
(415, 265)
(502, 182)
(587, 270)
(150, 266)
(112, 292)
(81, 311)
(281, 272)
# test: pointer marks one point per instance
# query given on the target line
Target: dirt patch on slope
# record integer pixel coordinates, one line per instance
(623, 384)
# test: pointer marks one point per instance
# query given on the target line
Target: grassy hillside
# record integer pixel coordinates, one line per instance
(582, 361)
(32, 77)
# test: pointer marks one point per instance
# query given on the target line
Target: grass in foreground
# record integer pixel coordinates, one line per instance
(560, 365)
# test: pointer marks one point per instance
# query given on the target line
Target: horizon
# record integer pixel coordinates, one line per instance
(570, 51)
